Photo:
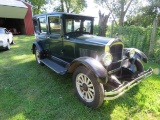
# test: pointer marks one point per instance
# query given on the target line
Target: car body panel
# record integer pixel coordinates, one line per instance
(92, 64)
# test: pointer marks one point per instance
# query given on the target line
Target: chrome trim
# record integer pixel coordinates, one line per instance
(111, 95)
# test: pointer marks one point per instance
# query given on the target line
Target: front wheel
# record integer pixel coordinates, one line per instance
(139, 66)
(12, 42)
(8, 46)
(87, 88)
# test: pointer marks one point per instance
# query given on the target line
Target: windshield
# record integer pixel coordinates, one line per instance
(1, 31)
(78, 26)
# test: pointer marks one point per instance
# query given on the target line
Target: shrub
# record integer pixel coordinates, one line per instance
(138, 37)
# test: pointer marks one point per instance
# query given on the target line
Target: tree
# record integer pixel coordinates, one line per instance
(117, 8)
(123, 11)
(152, 41)
(147, 14)
(37, 5)
(103, 19)
(70, 6)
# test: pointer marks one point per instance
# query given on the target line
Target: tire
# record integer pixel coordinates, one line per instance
(139, 66)
(38, 56)
(12, 42)
(87, 88)
(8, 46)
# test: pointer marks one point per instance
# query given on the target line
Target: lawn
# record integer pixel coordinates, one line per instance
(29, 91)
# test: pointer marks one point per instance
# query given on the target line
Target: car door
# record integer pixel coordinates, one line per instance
(40, 28)
(54, 35)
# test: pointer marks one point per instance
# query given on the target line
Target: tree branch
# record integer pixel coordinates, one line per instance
(128, 6)
(111, 12)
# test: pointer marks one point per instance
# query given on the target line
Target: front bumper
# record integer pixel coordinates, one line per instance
(111, 95)
(1, 43)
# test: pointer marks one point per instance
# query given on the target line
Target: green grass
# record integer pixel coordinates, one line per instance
(30, 92)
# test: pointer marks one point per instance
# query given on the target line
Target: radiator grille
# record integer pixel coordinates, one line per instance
(116, 51)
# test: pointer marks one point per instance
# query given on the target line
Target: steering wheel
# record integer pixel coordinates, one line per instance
(84, 29)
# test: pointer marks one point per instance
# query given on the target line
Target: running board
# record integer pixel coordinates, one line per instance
(54, 66)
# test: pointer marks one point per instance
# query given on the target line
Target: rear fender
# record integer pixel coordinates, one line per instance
(138, 54)
(35, 44)
(92, 64)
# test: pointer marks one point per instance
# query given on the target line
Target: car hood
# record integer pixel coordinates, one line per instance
(92, 39)
(2, 36)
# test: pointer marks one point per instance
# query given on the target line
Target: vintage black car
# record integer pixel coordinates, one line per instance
(102, 68)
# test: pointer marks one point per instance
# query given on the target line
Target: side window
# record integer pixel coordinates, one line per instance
(69, 25)
(54, 24)
(43, 27)
(36, 26)
(87, 25)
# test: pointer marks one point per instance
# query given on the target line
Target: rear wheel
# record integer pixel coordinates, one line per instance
(87, 88)
(38, 56)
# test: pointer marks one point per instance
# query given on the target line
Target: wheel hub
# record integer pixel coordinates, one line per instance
(85, 88)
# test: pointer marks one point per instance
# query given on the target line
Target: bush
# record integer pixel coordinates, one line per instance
(96, 30)
(138, 37)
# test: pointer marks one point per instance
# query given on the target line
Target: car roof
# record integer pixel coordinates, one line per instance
(60, 13)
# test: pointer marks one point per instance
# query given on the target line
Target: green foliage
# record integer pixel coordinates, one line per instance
(70, 6)
(146, 14)
(37, 5)
(96, 29)
(139, 37)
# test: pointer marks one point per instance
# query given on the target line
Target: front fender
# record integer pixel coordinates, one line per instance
(138, 54)
(92, 64)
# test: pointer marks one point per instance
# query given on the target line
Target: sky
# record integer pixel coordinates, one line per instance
(91, 9)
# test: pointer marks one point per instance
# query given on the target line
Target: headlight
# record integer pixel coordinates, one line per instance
(107, 59)
(131, 53)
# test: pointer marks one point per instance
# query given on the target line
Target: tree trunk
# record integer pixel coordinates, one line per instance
(122, 14)
(121, 20)
(62, 6)
(152, 41)
(103, 19)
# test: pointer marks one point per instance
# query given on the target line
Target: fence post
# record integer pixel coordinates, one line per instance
(152, 41)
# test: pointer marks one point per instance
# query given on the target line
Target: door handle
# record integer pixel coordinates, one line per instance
(48, 37)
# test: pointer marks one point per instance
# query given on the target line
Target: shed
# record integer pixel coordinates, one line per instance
(16, 16)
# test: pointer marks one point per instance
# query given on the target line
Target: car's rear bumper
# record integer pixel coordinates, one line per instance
(111, 95)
